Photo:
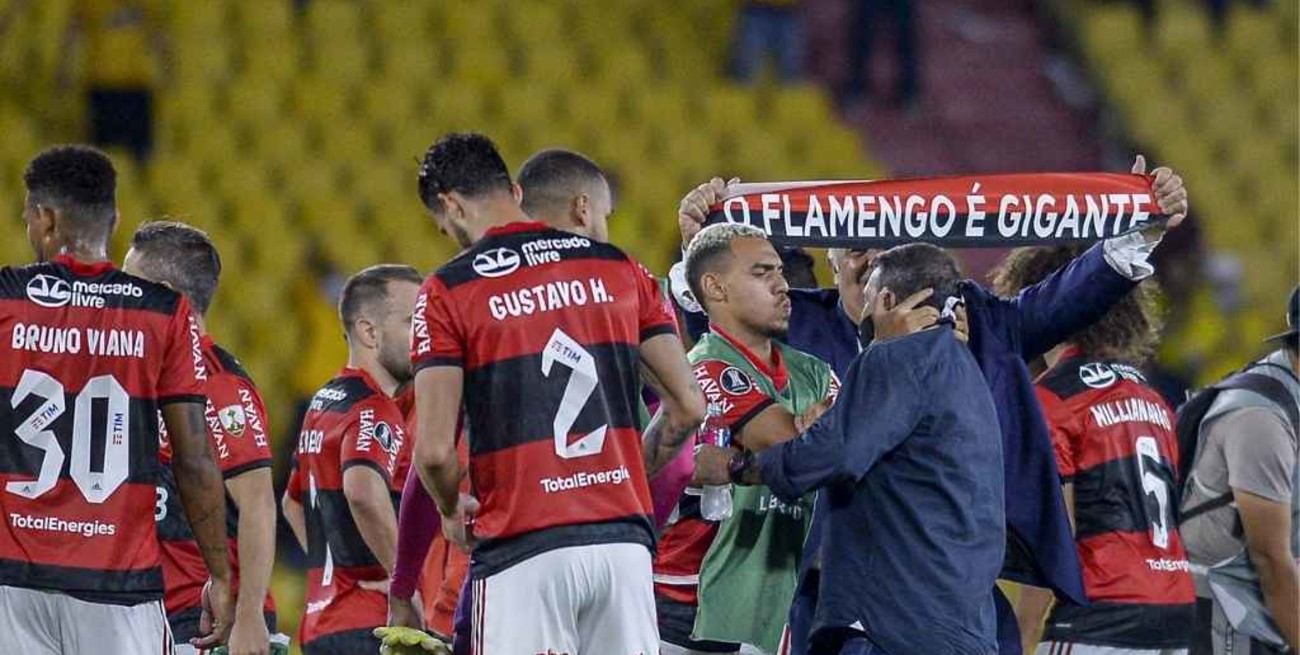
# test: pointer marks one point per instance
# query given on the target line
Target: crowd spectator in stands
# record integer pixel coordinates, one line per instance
(772, 27)
(870, 20)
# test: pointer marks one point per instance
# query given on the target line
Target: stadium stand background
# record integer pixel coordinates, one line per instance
(290, 131)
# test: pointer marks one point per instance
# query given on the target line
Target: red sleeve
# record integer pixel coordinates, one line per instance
(655, 311)
(732, 388)
(293, 486)
(1063, 427)
(183, 371)
(436, 337)
(242, 415)
(374, 438)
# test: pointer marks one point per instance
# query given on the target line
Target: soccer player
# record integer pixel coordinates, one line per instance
(1117, 453)
(761, 386)
(909, 459)
(89, 356)
(540, 334)
(184, 258)
(352, 460)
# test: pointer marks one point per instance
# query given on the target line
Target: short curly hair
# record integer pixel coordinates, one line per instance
(465, 162)
(1128, 333)
(80, 182)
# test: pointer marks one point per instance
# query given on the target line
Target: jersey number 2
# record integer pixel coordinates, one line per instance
(95, 486)
(562, 349)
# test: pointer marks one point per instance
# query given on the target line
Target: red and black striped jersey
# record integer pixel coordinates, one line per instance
(88, 355)
(236, 420)
(547, 327)
(1115, 442)
(350, 422)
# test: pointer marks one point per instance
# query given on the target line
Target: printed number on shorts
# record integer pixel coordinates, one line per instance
(562, 349)
(1154, 484)
(96, 483)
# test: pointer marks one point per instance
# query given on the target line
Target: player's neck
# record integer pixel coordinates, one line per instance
(758, 344)
(495, 213)
(81, 253)
(387, 383)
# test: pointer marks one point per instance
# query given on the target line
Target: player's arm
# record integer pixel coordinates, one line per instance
(296, 518)
(681, 410)
(204, 499)
(438, 392)
(372, 509)
(253, 495)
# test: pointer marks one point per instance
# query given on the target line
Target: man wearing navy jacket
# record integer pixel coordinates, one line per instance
(1004, 334)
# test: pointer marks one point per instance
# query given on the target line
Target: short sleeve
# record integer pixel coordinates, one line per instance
(436, 337)
(184, 372)
(732, 388)
(654, 310)
(238, 408)
(1064, 432)
(374, 438)
(1260, 453)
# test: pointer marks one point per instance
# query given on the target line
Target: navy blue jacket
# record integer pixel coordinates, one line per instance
(909, 461)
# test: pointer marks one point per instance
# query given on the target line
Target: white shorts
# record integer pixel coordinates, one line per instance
(584, 600)
(1063, 648)
(35, 622)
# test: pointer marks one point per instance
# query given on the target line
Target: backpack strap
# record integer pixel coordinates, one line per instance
(1270, 388)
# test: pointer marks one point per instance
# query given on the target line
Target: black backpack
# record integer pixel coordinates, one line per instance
(1191, 413)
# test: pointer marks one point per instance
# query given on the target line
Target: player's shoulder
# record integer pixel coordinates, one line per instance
(1085, 377)
(342, 395)
(228, 364)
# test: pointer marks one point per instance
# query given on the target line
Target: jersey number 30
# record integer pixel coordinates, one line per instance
(567, 352)
(95, 486)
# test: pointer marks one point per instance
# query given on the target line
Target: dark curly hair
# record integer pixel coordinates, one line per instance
(78, 181)
(467, 163)
(1128, 333)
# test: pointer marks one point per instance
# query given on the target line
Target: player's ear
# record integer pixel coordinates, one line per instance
(580, 208)
(713, 286)
(517, 192)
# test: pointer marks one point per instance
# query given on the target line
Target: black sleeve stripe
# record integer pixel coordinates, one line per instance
(741, 422)
(246, 467)
(656, 330)
(430, 362)
(368, 464)
(183, 398)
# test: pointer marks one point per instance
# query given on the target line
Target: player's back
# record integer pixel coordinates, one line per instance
(1115, 442)
(88, 355)
(546, 326)
(350, 422)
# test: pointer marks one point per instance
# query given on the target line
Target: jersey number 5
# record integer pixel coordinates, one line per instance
(95, 486)
(562, 349)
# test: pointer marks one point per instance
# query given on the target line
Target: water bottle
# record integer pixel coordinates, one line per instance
(715, 500)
